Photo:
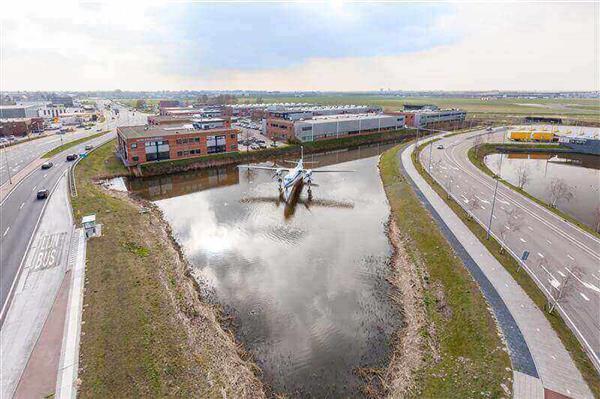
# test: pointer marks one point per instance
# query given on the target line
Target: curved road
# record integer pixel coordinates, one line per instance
(21, 211)
(556, 246)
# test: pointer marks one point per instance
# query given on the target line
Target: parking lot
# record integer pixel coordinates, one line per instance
(251, 138)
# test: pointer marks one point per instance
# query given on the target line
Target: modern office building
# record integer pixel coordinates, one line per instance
(336, 126)
(584, 143)
(147, 143)
(18, 111)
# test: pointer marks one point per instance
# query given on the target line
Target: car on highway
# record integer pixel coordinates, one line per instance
(88, 147)
(72, 157)
(11, 138)
(99, 129)
(47, 165)
(43, 194)
(440, 147)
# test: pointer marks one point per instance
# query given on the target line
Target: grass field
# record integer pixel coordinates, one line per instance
(145, 332)
(70, 144)
(511, 265)
(472, 362)
(588, 109)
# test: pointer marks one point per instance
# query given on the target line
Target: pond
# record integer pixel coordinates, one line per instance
(305, 285)
(580, 172)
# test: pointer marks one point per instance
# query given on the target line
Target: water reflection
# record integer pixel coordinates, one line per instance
(581, 172)
(308, 293)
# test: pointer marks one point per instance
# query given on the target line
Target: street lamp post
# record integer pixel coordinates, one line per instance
(497, 177)
(430, 147)
(7, 166)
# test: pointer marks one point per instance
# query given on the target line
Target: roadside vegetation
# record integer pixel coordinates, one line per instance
(568, 339)
(146, 331)
(73, 143)
(463, 353)
(478, 153)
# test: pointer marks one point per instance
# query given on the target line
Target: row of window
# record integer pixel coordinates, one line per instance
(188, 152)
(190, 140)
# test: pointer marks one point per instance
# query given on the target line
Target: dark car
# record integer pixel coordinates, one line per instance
(72, 157)
(43, 194)
(47, 165)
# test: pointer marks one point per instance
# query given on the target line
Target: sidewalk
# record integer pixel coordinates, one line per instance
(36, 295)
(551, 362)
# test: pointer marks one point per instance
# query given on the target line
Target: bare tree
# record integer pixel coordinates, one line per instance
(473, 203)
(477, 142)
(597, 218)
(513, 220)
(563, 289)
(559, 191)
(523, 174)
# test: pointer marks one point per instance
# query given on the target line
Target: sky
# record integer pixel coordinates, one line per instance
(333, 45)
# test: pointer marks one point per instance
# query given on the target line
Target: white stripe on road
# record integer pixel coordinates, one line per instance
(530, 228)
(570, 257)
(540, 255)
(6, 232)
(22, 205)
(522, 239)
(561, 273)
(549, 242)
(584, 297)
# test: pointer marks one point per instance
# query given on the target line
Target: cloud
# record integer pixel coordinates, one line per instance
(139, 45)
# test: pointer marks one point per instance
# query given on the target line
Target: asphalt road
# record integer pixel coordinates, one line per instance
(556, 246)
(20, 211)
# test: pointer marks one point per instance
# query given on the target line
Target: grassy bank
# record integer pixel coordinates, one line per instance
(511, 265)
(477, 155)
(146, 331)
(165, 167)
(468, 358)
(70, 144)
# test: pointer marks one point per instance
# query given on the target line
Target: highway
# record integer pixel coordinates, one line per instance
(20, 211)
(557, 248)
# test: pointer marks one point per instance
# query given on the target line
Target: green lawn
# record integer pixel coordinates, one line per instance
(472, 359)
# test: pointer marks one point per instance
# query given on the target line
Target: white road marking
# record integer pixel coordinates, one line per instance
(45, 175)
(570, 257)
(507, 228)
(549, 242)
(540, 255)
(6, 232)
(34, 187)
(584, 297)
(494, 216)
(522, 240)
(530, 228)
(596, 277)
(482, 207)
(561, 273)
(22, 205)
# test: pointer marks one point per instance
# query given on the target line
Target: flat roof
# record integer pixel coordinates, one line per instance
(347, 117)
(147, 131)
(18, 106)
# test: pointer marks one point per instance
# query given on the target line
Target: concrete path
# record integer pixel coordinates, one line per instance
(43, 272)
(552, 363)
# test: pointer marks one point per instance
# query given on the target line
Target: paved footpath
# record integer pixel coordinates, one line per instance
(30, 325)
(552, 368)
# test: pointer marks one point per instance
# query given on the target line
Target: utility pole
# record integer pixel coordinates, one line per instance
(430, 147)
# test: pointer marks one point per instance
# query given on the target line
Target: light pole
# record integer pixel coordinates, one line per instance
(7, 166)
(497, 177)
(430, 147)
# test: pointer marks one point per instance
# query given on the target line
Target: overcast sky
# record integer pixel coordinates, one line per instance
(332, 45)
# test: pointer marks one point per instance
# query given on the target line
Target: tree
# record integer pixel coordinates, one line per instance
(140, 104)
(559, 191)
(477, 141)
(513, 220)
(563, 289)
(597, 218)
(523, 174)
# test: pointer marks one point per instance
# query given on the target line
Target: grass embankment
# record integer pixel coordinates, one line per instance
(173, 166)
(470, 358)
(569, 340)
(478, 153)
(146, 332)
(70, 144)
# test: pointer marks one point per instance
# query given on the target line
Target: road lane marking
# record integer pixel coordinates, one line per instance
(540, 255)
(584, 297)
(34, 187)
(507, 228)
(494, 216)
(561, 273)
(22, 205)
(6, 231)
(522, 239)
(530, 228)
(549, 242)
(570, 257)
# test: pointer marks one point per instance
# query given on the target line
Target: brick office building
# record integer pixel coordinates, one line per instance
(21, 126)
(141, 144)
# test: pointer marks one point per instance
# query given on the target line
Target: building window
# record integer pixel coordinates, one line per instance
(306, 128)
(233, 136)
(197, 139)
(135, 159)
(133, 146)
(179, 153)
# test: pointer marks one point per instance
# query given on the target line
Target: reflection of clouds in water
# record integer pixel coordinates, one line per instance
(302, 288)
